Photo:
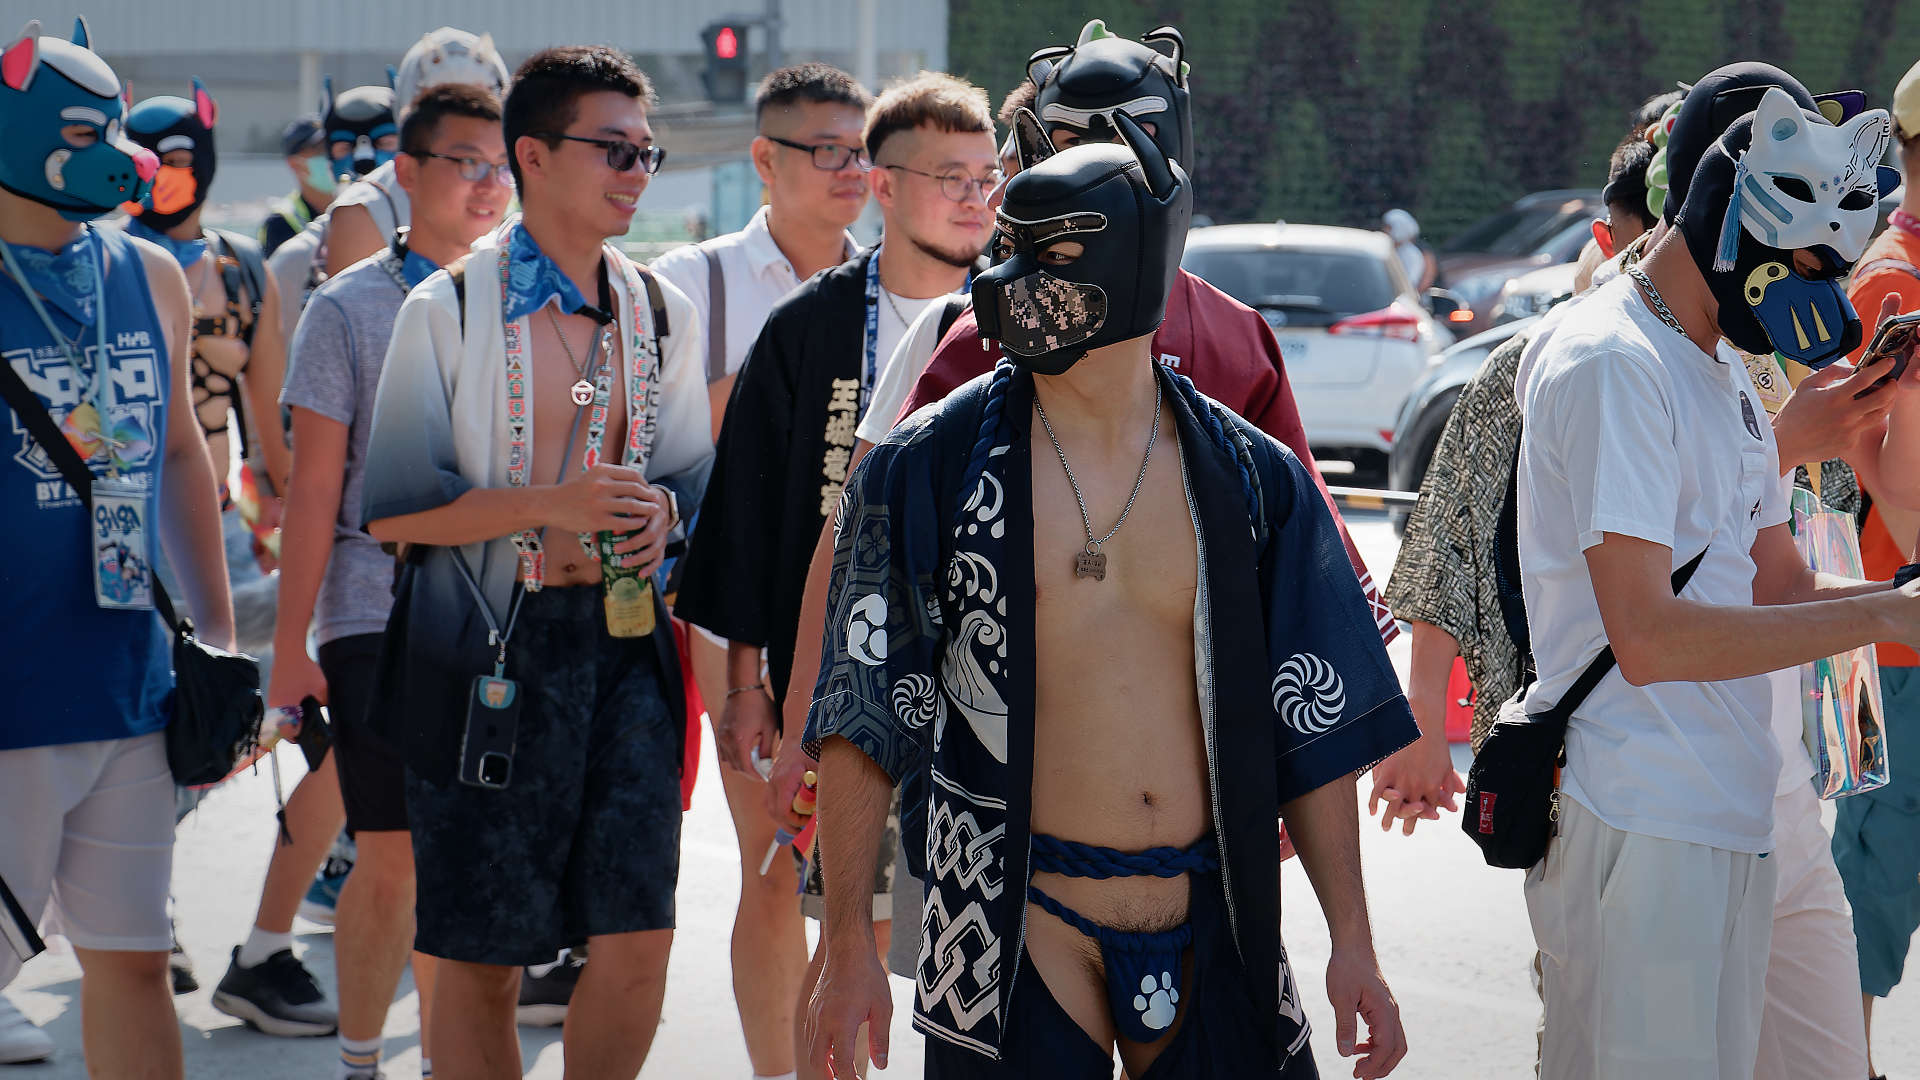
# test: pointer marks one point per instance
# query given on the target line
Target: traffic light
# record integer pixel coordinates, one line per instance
(726, 72)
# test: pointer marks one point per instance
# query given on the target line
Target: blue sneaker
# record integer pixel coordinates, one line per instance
(324, 893)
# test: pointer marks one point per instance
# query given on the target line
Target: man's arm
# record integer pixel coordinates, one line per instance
(306, 544)
(1325, 827)
(265, 373)
(1660, 637)
(791, 764)
(351, 236)
(748, 720)
(854, 795)
(190, 512)
(1418, 781)
(605, 498)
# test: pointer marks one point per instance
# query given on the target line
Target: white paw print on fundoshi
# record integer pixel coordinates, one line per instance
(1156, 1000)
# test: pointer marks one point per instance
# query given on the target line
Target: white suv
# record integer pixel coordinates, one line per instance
(1353, 334)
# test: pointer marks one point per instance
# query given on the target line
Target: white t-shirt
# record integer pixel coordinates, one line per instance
(898, 315)
(755, 273)
(1631, 429)
(899, 371)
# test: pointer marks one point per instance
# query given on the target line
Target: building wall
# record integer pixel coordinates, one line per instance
(249, 51)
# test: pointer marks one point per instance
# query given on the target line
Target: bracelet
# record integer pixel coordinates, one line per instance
(1905, 574)
(673, 507)
(746, 689)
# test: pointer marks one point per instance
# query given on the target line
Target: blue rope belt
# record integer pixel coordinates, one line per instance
(1142, 968)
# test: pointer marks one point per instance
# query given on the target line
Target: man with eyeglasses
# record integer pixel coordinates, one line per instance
(540, 420)
(810, 157)
(786, 444)
(453, 167)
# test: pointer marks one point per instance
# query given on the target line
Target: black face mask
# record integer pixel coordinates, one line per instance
(357, 118)
(1080, 87)
(1127, 206)
(167, 124)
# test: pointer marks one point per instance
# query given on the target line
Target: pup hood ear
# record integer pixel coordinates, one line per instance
(22, 58)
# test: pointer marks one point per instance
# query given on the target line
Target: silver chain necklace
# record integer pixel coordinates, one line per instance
(582, 390)
(1653, 296)
(1092, 562)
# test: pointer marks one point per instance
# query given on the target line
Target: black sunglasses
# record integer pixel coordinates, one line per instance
(621, 154)
(829, 157)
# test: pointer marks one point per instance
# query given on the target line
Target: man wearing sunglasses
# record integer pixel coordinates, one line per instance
(810, 157)
(787, 439)
(453, 167)
(539, 414)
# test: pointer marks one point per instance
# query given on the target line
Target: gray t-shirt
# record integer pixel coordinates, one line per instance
(333, 368)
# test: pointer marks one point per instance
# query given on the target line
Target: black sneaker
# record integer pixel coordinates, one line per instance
(280, 997)
(545, 990)
(180, 969)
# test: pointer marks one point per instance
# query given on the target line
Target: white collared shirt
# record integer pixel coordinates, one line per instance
(756, 274)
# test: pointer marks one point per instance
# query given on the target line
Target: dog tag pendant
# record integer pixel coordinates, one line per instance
(582, 392)
(1091, 563)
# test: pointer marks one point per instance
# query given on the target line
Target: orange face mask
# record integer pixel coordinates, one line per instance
(174, 190)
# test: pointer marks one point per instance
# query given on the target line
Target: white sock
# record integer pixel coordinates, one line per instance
(358, 1057)
(260, 944)
(426, 1068)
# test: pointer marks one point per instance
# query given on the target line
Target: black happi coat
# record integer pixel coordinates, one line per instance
(779, 467)
(929, 658)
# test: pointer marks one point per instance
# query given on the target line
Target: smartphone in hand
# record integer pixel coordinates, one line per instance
(1897, 338)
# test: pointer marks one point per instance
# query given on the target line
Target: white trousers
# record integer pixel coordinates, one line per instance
(1813, 1027)
(1653, 954)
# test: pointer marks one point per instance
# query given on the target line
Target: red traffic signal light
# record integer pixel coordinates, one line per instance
(726, 44)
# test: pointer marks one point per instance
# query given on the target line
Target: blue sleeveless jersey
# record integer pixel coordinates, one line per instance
(75, 672)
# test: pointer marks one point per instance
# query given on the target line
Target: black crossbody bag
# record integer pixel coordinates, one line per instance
(1513, 788)
(217, 706)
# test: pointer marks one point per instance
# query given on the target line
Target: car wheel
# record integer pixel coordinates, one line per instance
(1407, 466)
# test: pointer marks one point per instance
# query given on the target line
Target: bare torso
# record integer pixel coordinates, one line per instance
(219, 358)
(553, 421)
(1119, 753)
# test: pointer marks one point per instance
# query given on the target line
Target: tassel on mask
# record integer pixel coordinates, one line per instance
(1730, 228)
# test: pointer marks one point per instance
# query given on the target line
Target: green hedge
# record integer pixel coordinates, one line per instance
(1333, 112)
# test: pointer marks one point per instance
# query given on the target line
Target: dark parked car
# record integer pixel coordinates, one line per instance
(1424, 416)
(1542, 229)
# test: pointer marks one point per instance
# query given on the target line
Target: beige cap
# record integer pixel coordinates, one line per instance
(1906, 104)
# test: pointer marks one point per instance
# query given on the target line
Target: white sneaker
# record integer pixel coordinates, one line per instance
(20, 1041)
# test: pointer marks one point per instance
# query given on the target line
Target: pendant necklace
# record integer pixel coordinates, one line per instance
(1092, 562)
(582, 389)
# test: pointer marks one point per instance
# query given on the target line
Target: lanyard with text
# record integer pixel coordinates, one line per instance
(643, 403)
(871, 375)
(119, 547)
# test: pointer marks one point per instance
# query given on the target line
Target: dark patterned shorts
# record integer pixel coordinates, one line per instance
(585, 840)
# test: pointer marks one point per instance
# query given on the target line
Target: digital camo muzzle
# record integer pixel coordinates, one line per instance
(1038, 312)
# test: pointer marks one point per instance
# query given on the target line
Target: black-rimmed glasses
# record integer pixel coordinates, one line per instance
(828, 157)
(473, 170)
(957, 186)
(621, 154)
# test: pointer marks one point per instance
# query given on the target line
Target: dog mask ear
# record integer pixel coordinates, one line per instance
(1030, 139)
(22, 58)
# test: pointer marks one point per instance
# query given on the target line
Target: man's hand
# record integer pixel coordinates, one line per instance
(645, 546)
(1417, 782)
(605, 498)
(852, 991)
(1824, 420)
(295, 678)
(789, 774)
(1357, 991)
(746, 721)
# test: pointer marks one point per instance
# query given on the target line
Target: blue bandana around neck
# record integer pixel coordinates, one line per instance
(533, 279)
(417, 268)
(64, 278)
(184, 252)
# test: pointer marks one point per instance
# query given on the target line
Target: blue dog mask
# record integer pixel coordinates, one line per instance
(46, 85)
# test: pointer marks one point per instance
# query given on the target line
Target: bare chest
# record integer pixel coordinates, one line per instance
(567, 358)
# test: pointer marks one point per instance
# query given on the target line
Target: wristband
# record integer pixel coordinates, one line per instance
(673, 507)
(746, 689)
(1905, 574)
